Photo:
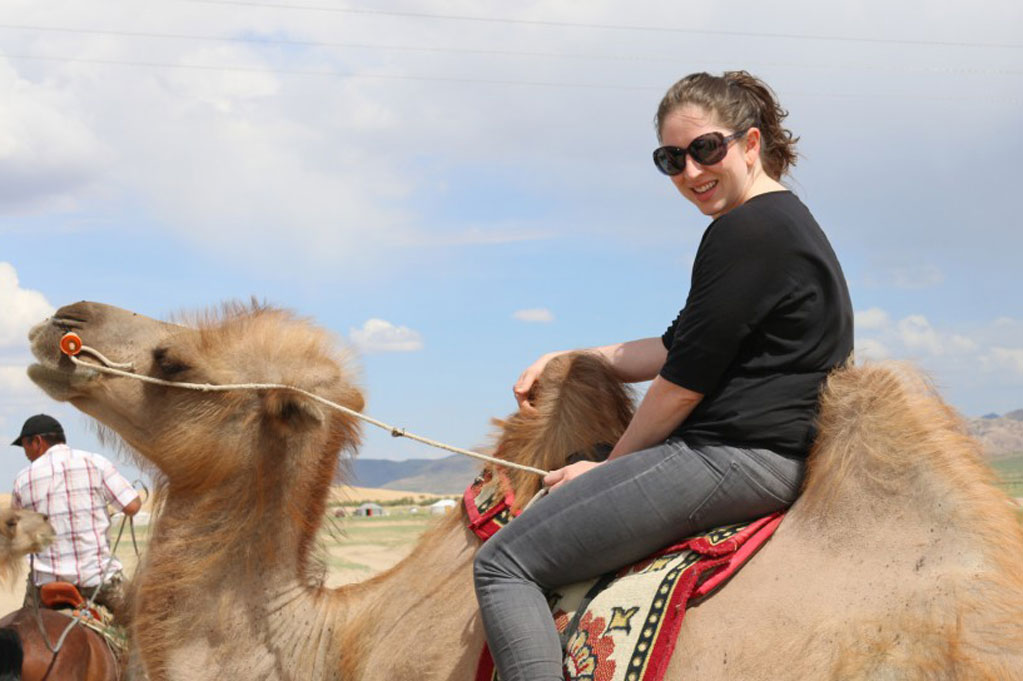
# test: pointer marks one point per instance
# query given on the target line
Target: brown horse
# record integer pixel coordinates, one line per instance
(25, 654)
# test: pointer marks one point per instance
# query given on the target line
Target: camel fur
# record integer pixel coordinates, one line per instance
(900, 560)
(21, 532)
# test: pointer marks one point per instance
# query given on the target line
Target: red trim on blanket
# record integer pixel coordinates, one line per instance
(721, 562)
(759, 532)
(485, 667)
(483, 525)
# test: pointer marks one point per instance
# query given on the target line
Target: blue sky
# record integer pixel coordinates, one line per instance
(477, 178)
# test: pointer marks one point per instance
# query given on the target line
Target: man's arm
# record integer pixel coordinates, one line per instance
(133, 507)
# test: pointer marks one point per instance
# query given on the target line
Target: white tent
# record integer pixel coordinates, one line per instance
(442, 506)
(370, 509)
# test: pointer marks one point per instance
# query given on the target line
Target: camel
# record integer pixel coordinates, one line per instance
(229, 587)
(21, 532)
(900, 560)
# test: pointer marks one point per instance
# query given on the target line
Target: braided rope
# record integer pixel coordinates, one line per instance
(210, 387)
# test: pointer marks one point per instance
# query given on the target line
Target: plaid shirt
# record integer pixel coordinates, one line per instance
(73, 489)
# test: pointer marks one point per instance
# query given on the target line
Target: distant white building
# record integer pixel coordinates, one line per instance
(370, 509)
(442, 506)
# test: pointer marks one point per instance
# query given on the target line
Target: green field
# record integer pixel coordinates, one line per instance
(1010, 470)
(353, 547)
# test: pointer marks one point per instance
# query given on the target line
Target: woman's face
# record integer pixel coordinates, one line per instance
(718, 188)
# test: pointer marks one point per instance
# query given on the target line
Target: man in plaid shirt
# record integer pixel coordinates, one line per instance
(72, 488)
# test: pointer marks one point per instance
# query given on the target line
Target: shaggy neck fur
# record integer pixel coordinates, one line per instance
(258, 611)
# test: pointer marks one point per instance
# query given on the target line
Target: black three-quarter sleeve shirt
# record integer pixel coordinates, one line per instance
(767, 317)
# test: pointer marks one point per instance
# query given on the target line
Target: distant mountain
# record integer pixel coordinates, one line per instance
(1001, 436)
(450, 475)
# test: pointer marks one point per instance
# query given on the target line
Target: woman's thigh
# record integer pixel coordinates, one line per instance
(628, 508)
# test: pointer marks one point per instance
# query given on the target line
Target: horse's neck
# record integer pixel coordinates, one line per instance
(429, 593)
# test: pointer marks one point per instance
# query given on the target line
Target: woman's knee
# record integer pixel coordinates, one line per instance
(492, 563)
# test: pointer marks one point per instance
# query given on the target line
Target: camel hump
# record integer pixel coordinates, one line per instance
(890, 407)
(884, 433)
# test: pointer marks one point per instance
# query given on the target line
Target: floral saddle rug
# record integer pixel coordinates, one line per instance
(622, 626)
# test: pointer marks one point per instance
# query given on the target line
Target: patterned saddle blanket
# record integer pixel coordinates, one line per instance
(623, 626)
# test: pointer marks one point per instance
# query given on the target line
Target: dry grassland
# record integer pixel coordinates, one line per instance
(354, 548)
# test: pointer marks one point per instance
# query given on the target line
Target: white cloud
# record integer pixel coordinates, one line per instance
(917, 334)
(535, 315)
(1010, 359)
(22, 308)
(870, 348)
(378, 335)
(961, 344)
(47, 153)
(914, 336)
(14, 382)
(870, 319)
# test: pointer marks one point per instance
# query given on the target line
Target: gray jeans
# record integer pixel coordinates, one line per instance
(612, 516)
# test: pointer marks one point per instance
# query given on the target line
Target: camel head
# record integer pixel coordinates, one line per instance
(201, 439)
(581, 410)
(21, 532)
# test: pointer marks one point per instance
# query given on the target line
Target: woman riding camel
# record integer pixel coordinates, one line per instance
(724, 429)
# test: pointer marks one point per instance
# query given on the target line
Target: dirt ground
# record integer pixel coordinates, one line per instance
(353, 548)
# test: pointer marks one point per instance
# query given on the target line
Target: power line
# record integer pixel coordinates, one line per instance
(333, 74)
(611, 27)
(493, 52)
(475, 81)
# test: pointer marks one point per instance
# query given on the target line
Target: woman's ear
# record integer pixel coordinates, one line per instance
(752, 146)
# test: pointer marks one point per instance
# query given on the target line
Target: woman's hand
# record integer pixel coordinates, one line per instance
(559, 477)
(527, 380)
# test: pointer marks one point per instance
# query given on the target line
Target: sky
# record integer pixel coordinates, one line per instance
(454, 188)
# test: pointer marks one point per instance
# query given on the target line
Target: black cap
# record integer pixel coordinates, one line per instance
(40, 424)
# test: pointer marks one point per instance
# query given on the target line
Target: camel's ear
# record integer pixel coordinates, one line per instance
(353, 399)
(8, 523)
(290, 411)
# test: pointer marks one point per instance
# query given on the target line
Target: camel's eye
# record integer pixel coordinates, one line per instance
(167, 365)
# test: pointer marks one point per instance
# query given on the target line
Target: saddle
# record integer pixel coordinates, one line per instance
(61, 595)
(623, 625)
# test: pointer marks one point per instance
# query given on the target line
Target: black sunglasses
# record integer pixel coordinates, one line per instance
(707, 149)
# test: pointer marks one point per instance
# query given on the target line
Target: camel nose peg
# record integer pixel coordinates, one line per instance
(70, 344)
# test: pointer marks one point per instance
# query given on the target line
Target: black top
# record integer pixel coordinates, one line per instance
(767, 317)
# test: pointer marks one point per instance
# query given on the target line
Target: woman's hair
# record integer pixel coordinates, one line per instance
(738, 101)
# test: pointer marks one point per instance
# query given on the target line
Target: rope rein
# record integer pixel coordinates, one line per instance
(71, 345)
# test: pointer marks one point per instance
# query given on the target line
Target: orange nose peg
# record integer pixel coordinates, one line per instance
(70, 344)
